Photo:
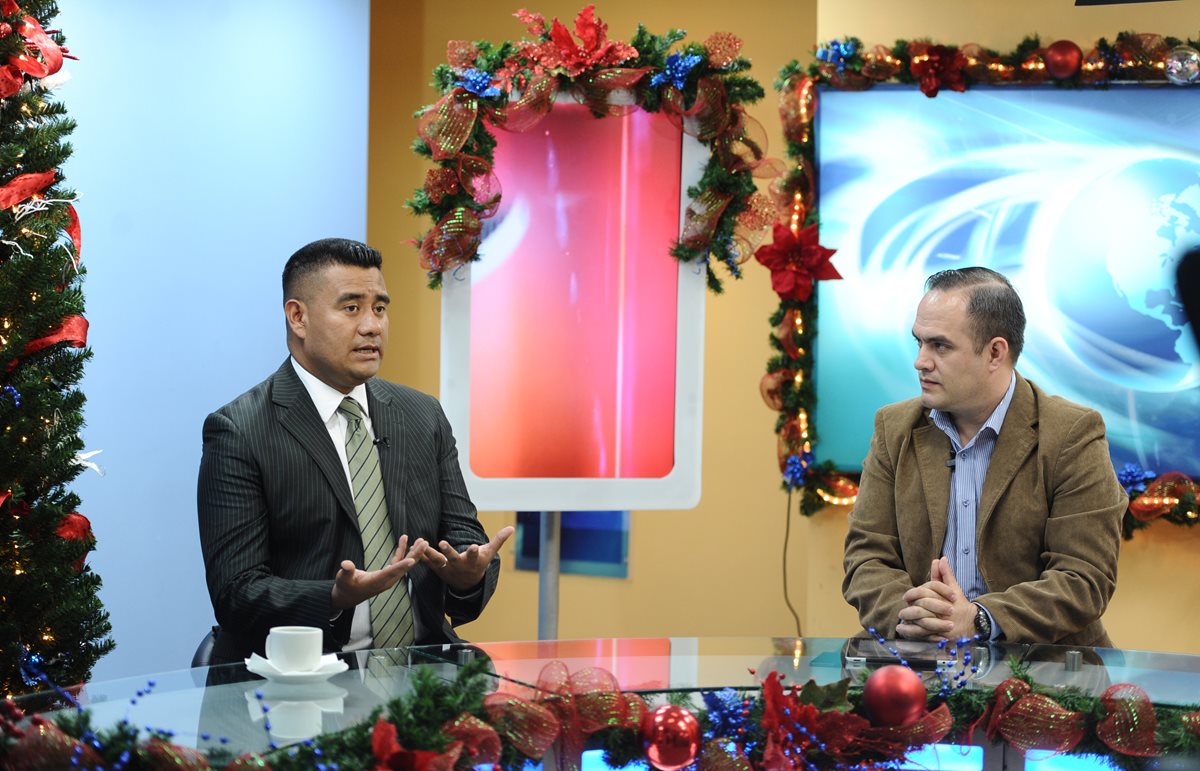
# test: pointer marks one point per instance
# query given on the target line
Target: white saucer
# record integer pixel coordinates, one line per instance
(330, 665)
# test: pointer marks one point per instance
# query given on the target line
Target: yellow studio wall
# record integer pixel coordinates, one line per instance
(716, 569)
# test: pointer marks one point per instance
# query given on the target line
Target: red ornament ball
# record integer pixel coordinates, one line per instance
(894, 696)
(1063, 59)
(671, 736)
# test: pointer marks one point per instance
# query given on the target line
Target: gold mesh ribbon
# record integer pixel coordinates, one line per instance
(530, 727)
(893, 740)
(453, 241)
(700, 220)
(797, 108)
(709, 115)
(447, 125)
(528, 109)
(598, 89)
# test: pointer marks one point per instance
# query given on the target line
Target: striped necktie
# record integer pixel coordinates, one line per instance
(391, 611)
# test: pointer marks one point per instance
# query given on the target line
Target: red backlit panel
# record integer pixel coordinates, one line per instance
(574, 304)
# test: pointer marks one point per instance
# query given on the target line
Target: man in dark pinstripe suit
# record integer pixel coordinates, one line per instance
(278, 526)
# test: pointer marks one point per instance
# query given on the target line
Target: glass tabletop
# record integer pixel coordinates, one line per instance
(227, 707)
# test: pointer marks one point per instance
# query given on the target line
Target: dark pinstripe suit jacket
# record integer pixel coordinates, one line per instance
(277, 516)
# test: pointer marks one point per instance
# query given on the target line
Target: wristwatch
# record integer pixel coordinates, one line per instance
(983, 623)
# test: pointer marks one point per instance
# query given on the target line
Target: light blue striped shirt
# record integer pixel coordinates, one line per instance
(966, 487)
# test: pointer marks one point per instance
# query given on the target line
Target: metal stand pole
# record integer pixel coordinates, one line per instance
(548, 560)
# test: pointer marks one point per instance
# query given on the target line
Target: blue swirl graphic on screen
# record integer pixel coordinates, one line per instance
(1086, 200)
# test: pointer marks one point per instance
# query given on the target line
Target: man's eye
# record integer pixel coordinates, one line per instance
(351, 309)
(381, 309)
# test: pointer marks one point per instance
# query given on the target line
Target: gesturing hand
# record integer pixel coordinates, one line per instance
(461, 571)
(351, 585)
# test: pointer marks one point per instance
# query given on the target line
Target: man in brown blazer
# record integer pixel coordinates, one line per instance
(986, 507)
(279, 528)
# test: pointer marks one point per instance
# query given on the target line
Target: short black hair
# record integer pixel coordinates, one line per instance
(993, 306)
(313, 257)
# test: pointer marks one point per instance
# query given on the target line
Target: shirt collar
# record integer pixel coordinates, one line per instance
(325, 397)
(994, 421)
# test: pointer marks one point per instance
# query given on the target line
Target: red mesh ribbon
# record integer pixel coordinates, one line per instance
(530, 727)
(51, 58)
(1129, 723)
(744, 147)
(701, 218)
(709, 115)
(452, 242)
(879, 64)
(598, 89)
(714, 756)
(21, 187)
(1038, 722)
(527, 111)
(797, 107)
(979, 64)
(1143, 52)
(1006, 694)
(480, 182)
(584, 703)
(164, 756)
(936, 67)
(75, 233)
(447, 125)
(1162, 495)
(479, 740)
(892, 741)
(72, 331)
(1191, 722)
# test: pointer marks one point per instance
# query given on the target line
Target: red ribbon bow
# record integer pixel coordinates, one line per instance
(566, 707)
(937, 66)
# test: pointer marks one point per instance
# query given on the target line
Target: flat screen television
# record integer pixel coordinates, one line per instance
(1085, 199)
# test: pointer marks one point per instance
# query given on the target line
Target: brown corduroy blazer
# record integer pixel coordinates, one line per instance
(1048, 530)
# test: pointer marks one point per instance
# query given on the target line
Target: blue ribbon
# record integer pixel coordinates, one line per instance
(676, 71)
(837, 53)
(478, 83)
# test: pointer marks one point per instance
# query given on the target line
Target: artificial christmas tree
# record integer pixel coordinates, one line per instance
(52, 624)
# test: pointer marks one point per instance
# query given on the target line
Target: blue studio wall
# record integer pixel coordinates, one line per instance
(214, 139)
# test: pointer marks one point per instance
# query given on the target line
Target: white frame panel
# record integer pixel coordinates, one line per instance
(679, 489)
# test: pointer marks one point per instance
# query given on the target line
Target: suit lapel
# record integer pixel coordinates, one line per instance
(387, 419)
(297, 414)
(932, 446)
(1018, 437)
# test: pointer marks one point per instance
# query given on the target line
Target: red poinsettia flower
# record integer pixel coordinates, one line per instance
(796, 262)
(390, 755)
(937, 67)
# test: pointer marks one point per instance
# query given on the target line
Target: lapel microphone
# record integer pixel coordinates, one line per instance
(383, 440)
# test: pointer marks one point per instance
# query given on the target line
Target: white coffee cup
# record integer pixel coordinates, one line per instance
(294, 648)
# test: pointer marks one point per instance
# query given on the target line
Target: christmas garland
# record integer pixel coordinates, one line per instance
(444, 725)
(513, 86)
(797, 260)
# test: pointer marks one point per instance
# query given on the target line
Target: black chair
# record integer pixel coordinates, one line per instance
(204, 650)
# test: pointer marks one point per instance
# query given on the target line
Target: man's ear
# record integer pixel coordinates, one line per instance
(296, 314)
(997, 353)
